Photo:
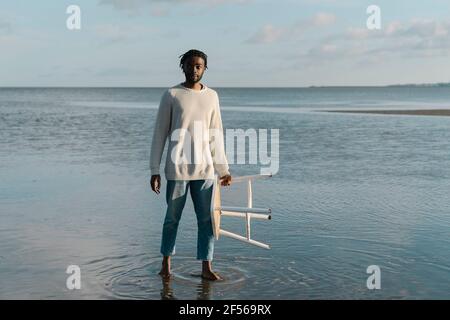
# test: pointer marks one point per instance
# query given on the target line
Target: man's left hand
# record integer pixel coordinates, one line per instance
(225, 180)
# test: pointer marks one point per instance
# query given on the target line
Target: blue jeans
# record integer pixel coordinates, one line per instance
(176, 193)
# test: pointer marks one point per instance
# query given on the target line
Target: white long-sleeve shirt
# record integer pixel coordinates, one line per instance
(192, 122)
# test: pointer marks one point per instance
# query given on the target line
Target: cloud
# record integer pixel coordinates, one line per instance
(270, 34)
(159, 12)
(122, 72)
(5, 27)
(414, 39)
(15, 41)
(323, 19)
(123, 4)
(418, 37)
(423, 28)
(136, 5)
(111, 34)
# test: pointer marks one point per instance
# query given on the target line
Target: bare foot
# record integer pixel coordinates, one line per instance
(165, 269)
(210, 275)
(165, 273)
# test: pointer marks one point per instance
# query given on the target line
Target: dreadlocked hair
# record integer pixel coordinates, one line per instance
(193, 53)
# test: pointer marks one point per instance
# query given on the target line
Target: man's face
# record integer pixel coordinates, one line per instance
(193, 69)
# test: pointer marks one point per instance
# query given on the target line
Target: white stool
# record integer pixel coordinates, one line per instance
(217, 210)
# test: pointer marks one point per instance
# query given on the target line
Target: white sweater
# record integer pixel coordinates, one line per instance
(191, 120)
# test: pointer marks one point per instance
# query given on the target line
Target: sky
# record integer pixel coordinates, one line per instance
(249, 43)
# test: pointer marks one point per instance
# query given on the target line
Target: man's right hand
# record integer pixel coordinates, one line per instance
(155, 183)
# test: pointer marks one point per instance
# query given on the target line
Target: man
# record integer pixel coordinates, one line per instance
(189, 114)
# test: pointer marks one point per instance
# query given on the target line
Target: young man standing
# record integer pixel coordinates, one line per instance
(189, 114)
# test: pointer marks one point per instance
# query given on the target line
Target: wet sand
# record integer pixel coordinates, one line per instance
(421, 112)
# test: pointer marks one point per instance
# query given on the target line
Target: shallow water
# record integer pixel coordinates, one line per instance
(352, 190)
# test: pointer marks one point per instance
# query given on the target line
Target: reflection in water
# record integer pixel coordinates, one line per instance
(203, 289)
(167, 291)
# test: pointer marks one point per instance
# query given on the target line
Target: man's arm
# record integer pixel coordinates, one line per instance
(160, 133)
(218, 146)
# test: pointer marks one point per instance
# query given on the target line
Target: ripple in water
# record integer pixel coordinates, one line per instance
(136, 277)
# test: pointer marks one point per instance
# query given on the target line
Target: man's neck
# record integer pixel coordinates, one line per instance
(194, 86)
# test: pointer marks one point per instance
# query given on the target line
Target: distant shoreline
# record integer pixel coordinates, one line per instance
(421, 112)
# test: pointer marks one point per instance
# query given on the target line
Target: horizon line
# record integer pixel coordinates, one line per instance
(233, 87)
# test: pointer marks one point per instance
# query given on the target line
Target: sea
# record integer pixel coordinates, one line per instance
(360, 203)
